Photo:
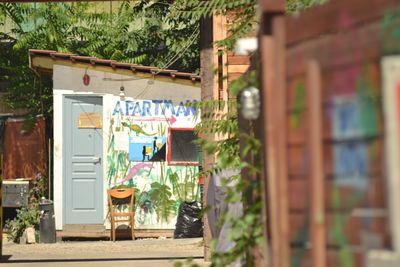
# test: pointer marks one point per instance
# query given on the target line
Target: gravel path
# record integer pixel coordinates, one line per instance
(146, 252)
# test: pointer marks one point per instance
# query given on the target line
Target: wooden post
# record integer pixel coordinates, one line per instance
(278, 31)
(220, 60)
(315, 143)
(273, 132)
(207, 93)
(270, 172)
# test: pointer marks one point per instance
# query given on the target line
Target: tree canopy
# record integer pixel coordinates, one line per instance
(140, 32)
(161, 33)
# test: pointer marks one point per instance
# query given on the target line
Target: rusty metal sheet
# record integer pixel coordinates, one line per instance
(24, 153)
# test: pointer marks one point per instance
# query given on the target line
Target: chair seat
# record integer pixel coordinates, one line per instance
(120, 214)
(122, 220)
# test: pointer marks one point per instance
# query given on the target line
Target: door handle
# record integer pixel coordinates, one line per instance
(96, 160)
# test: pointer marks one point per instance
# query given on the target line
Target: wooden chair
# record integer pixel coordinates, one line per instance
(119, 197)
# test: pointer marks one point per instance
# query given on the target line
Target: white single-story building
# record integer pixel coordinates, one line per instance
(120, 124)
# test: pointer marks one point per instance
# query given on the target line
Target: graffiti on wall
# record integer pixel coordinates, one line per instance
(136, 158)
(352, 123)
(355, 123)
(154, 108)
(355, 128)
(350, 162)
(352, 112)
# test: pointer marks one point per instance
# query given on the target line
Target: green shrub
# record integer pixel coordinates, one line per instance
(26, 217)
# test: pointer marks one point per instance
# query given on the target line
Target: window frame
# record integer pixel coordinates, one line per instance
(169, 147)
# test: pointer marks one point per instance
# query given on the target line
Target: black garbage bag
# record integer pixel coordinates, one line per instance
(188, 223)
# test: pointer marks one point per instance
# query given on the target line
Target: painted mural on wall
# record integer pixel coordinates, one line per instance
(355, 119)
(352, 111)
(136, 157)
(353, 144)
(147, 148)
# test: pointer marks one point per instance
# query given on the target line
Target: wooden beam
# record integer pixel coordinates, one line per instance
(315, 142)
(121, 233)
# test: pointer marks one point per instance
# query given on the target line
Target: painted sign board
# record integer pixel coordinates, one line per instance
(90, 120)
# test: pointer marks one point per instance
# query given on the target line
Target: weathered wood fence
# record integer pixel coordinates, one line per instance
(324, 130)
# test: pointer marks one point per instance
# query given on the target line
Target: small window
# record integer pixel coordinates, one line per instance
(181, 147)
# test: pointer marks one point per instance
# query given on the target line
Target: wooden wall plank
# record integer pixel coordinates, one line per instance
(301, 258)
(370, 196)
(335, 16)
(238, 60)
(340, 227)
(237, 68)
(339, 50)
(298, 158)
(234, 76)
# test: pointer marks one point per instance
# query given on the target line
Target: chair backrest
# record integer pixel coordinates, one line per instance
(119, 194)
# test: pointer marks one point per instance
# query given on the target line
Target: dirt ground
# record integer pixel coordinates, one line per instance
(138, 253)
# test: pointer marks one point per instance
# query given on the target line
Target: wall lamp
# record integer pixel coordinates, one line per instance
(122, 93)
(250, 103)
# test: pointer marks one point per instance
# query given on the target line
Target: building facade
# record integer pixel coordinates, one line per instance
(118, 125)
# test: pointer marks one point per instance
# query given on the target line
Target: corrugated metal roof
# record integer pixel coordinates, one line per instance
(112, 64)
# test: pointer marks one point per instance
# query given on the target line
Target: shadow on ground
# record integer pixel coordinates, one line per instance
(6, 259)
